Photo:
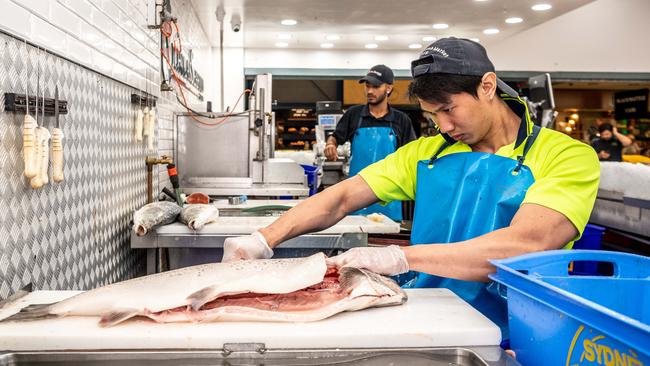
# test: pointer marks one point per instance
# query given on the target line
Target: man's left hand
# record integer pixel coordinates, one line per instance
(387, 261)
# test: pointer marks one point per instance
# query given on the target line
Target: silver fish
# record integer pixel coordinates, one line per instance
(199, 214)
(154, 214)
(285, 290)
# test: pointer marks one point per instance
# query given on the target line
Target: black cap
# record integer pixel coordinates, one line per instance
(457, 56)
(377, 75)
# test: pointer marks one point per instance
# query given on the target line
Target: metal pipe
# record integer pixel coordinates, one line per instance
(263, 127)
(150, 161)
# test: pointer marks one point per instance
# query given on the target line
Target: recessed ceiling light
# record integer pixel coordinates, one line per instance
(415, 46)
(327, 45)
(491, 31)
(480, 1)
(440, 26)
(281, 44)
(541, 7)
(514, 20)
(333, 37)
(428, 39)
(371, 45)
(289, 22)
(284, 36)
(475, 40)
(381, 38)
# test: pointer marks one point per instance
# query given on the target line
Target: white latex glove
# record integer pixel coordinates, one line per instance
(389, 261)
(253, 246)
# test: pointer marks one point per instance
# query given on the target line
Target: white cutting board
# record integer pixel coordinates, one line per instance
(239, 225)
(430, 318)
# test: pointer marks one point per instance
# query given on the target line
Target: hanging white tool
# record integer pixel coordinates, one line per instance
(37, 181)
(44, 138)
(139, 120)
(29, 129)
(150, 126)
(146, 113)
(57, 142)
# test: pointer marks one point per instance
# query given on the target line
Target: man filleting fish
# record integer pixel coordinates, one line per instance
(491, 185)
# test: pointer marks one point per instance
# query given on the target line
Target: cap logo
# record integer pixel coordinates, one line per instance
(374, 72)
(431, 49)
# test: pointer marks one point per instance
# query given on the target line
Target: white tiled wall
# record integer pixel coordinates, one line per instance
(108, 36)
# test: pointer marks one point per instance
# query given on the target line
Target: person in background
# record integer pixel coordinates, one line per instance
(609, 146)
(633, 148)
(375, 129)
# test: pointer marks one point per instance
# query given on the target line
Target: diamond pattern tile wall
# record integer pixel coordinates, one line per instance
(74, 234)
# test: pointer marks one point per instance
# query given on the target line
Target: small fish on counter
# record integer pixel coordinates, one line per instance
(154, 214)
(198, 214)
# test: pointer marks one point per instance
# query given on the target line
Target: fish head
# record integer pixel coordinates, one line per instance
(359, 282)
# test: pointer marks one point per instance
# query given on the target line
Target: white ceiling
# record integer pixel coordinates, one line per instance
(358, 22)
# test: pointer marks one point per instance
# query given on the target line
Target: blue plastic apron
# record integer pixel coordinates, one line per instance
(461, 196)
(369, 145)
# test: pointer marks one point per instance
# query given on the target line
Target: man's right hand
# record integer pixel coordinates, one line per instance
(253, 246)
(603, 154)
(330, 152)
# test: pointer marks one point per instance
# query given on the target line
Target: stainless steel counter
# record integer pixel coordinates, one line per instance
(256, 354)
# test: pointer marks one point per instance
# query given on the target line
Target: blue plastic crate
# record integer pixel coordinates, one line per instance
(556, 318)
(591, 239)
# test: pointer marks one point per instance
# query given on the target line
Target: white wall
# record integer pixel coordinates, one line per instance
(330, 59)
(602, 36)
(107, 36)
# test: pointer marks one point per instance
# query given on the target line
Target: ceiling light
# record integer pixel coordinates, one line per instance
(284, 36)
(491, 31)
(514, 20)
(289, 22)
(333, 37)
(541, 7)
(371, 45)
(568, 129)
(572, 122)
(327, 45)
(415, 46)
(428, 38)
(381, 38)
(475, 40)
(281, 44)
(440, 26)
(575, 116)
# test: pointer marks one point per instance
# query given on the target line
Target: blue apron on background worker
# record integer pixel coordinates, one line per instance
(375, 131)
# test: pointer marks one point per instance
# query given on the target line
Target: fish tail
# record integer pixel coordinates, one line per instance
(32, 312)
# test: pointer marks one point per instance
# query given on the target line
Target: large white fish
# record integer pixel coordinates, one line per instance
(294, 290)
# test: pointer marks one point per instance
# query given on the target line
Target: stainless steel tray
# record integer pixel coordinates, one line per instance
(474, 356)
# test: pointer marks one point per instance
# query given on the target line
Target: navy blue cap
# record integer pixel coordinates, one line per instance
(458, 56)
(377, 75)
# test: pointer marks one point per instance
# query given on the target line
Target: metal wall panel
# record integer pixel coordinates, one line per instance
(74, 234)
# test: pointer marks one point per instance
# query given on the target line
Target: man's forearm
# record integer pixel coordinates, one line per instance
(469, 260)
(625, 141)
(331, 140)
(320, 211)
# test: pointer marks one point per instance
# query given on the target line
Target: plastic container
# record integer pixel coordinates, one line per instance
(556, 318)
(312, 178)
(591, 239)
